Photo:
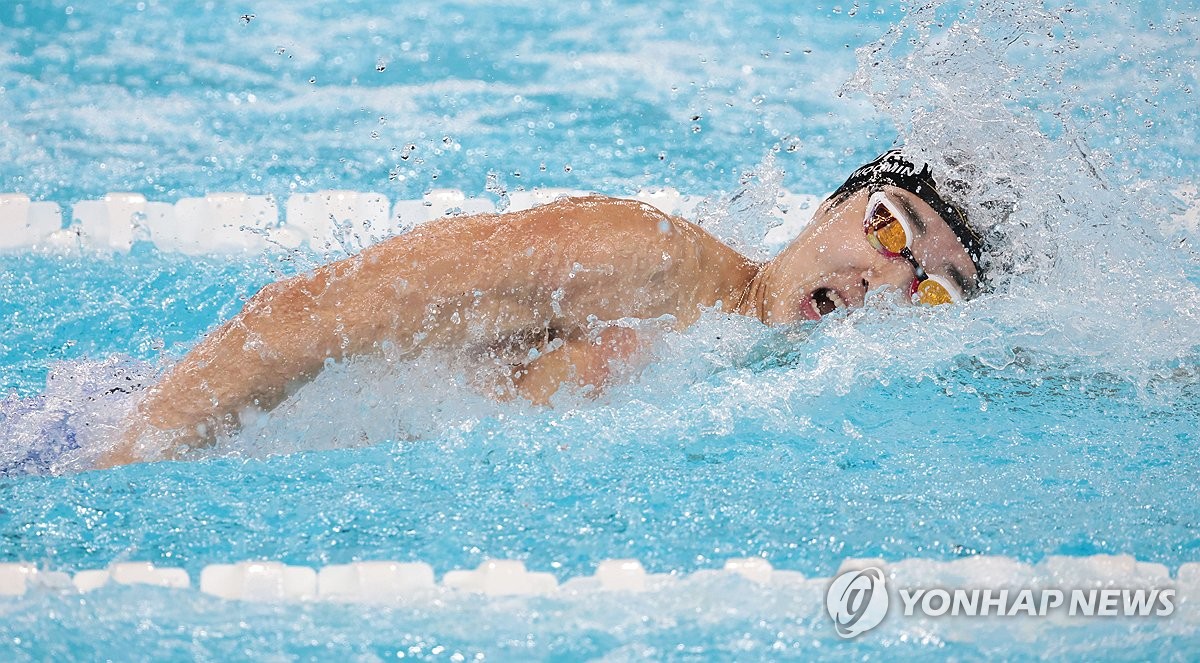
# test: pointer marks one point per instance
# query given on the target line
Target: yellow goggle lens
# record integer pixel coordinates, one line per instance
(932, 293)
(888, 231)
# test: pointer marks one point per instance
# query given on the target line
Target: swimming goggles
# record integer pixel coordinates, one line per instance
(889, 231)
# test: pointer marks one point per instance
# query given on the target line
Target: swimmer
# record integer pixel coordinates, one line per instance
(540, 290)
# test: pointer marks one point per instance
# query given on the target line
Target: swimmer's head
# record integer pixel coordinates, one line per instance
(888, 228)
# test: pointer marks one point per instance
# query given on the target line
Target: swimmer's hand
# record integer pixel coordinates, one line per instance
(121, 454)
(140, 441)
(125, 451)
(586, 362)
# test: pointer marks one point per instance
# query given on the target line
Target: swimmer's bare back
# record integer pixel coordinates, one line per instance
(553, 272)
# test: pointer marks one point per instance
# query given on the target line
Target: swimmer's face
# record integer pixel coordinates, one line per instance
(831, 265)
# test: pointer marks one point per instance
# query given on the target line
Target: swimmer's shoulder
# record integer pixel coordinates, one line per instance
(600, 223)
(615, 219)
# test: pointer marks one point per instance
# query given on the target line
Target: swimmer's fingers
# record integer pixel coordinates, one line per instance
(131, 445)
(122, 453)
(616, 344)
(140, 442)
(585, 362)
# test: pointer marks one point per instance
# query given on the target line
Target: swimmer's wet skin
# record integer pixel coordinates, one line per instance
(554, 279)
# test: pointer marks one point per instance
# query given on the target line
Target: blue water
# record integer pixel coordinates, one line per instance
(173, 101)
(1055, 416)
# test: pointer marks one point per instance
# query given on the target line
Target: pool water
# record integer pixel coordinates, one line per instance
(1054, 416)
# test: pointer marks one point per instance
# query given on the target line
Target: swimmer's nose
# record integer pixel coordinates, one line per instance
(894, 274)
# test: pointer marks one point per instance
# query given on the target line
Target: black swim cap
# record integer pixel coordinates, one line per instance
(893, 168)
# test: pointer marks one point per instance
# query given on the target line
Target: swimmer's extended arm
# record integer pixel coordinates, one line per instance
(282, 335)
(451, 284)
(405, 290)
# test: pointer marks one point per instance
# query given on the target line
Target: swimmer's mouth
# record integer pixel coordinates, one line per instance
(823, 301)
